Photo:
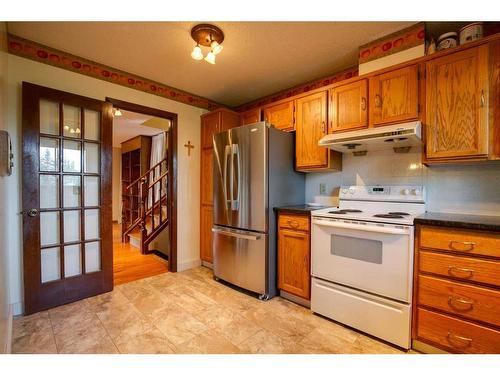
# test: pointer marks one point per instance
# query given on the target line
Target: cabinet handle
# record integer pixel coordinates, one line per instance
(293, 223)
(466, 243)
(451, 336)
(452, 300)
(378, 101)
(363, 103)
(323, 127)
(482, 100)
(467, 270)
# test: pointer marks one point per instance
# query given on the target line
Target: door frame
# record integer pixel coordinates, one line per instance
(172, 167)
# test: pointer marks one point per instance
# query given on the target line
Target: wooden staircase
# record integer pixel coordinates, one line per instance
(154, 206)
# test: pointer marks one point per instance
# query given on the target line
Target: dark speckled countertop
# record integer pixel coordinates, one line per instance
(476, 222)
(298, 209)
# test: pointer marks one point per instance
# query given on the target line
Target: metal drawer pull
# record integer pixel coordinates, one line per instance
(466, 243)
(464, 301)
(454, 268)
(450, 336)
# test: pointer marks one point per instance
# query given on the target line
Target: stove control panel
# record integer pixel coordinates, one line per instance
(383, 193)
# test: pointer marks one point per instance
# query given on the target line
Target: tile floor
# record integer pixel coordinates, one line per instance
(185, 312)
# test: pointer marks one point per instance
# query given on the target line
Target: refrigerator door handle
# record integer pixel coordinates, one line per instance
(237, 234)
(236, 201)
(227, 152)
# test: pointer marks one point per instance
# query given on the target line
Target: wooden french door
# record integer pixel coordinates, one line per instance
(67, 152)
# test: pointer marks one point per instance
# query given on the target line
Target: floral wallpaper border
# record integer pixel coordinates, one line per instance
(51, 56)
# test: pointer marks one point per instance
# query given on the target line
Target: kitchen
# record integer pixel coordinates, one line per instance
(388, 241)
(321, 203)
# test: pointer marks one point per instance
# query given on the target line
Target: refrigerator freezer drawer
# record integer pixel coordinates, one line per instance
(240, 258)
(377, 316)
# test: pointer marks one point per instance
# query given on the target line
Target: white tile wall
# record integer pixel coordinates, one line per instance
(473, 189)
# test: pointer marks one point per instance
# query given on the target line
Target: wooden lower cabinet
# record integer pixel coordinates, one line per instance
(456, 290)
(206, 221)
(294, 255)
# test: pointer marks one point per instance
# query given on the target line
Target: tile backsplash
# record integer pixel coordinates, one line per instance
(473, 189)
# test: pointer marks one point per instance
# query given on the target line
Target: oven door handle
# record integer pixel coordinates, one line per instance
(366, 228)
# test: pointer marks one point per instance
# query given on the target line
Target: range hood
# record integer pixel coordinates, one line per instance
(400, 137)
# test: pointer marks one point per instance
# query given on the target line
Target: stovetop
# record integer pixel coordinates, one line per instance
(384, 204)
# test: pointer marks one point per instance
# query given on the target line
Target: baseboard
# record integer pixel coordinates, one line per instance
(295, 299)
(182, 266)
(17, 308)
(207, 264)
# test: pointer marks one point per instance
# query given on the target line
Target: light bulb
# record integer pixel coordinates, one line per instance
(72, 131)
(216, 47)
(77, 131)
(117, 112)
(210, 58)
(197, 54)
(66, 127)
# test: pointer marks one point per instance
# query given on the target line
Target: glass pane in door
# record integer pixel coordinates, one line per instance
(49, 154)
(72, 118)
(71, 191)
(91, 158)
(92, 124)
(92, 224)
(71, 226)
(49, 191)
(49, 228)
(72, 156)
(91, 190)
(72, 260)
(92, 256)
(50, 261)
(49, 117)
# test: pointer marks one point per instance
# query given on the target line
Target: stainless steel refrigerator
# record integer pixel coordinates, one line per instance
(253, 172)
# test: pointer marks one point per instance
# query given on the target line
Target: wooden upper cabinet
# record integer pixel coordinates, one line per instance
(349, 106)
(281, 116)
(210, 124)
(457, 105)
(250, 117)
(394, 96)
(311, 126)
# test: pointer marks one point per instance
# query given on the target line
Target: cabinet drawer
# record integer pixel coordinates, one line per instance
(460, 241)
(294, 222)
(455, 334)
(463, 268)
(465, 300)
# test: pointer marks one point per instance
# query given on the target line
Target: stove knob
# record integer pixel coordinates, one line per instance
(351, 191)
(344, 191)
(416, 191)
(405, 191)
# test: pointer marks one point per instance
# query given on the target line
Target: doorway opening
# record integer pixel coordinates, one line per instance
(143, 191)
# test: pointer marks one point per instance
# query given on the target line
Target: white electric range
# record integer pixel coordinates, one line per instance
(362, 259)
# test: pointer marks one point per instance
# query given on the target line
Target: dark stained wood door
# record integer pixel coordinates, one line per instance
(67, 225)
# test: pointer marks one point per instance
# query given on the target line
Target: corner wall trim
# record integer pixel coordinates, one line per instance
(51, 56)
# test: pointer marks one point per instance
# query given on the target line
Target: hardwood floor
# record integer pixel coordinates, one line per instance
(129, 264)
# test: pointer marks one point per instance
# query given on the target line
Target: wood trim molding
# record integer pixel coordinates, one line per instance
(47, 55)
(300, 89)
(172, 167)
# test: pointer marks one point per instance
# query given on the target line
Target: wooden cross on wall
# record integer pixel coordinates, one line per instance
(189, 147)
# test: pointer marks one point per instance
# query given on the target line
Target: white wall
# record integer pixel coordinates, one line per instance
(117, 184)
(5, 315)
(473, 189)
(188, 187)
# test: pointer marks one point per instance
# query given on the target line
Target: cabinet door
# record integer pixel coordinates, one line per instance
(281, 116)
(310, 128)
(210, 124)
(394, 96)
(349, 106)
(206, 178)
(206, 221)
(294, 263)
(250, 117)
(457, 105)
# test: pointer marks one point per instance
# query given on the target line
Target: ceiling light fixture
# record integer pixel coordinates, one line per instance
(117, 112)
(207, 35)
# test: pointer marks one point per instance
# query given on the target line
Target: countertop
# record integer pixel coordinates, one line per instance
(298, 209)
(477, 222)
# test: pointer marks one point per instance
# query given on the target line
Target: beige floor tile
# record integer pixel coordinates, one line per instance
(123, 319)
(33, 335)
(151, 341)
(210, 342)
(178, 325)
(105, 301)
(329, 340)
(265, 342)
(368, 345)
(65, 318)
(88, 338)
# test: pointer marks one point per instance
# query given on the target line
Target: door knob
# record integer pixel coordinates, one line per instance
(33, 212)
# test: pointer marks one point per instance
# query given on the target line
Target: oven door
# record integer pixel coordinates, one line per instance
(374, 257)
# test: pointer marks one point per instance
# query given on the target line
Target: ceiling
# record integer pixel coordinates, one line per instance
(129, 125)
(259, 58)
